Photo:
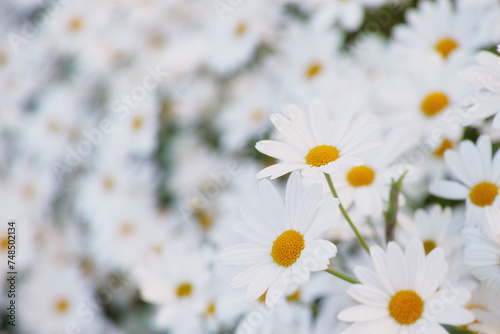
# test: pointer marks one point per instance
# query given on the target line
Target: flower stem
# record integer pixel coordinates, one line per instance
(342, 276)
(346, 216)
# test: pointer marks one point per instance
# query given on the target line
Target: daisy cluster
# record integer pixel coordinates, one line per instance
(237, 166)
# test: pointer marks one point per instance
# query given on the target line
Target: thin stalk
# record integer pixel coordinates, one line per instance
(346, 216)
(342, 276)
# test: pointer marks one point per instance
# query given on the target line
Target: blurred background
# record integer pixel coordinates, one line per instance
(127, 134)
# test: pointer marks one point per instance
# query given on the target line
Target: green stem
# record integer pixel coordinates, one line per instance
(342, 276)
(377, 238)
(346, 216)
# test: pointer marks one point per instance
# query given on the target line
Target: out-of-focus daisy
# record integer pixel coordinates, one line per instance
(178, 282)
(285, 245)
(485, 307)
(432, 226)
(482, 256)
(314, 142)
(349, 14)
(437, 28)
(426, 98)
(486, 76)
(368, 185)
(478, 178)
(308, 62)
(48, 302)
(246, 115)
(398, 296)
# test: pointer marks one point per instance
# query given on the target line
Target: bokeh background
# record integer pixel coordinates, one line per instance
(127, 134)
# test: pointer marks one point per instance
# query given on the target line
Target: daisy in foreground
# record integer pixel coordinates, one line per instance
(315, 142)
(479, 179)
(285, 246)
(401, 295)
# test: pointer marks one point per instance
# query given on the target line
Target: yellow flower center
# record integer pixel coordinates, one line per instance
(287, 248)
(241, 28)
(184, 290)
(322, 155)
(361, 176)
(294, 297)
(446, 46)
(406, 307)
(137, 123)
(210, 311)
(445, 145)
(483, 194)
(313, 70)
(434, 103)
(108, 183)
(126, 229)
(61, 305)
(429, 245)
(75, 24)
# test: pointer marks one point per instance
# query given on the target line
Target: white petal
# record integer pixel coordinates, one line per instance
(279, 169)
(363, 313)
(244, 255)
(449, 189)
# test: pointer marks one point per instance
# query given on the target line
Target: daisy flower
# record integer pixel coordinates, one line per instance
(314, 142)
(486, 76)
(432, 226)
(439, 29)
(478, 179)
(485, 307)
(482, 256)
(285, 243)
(401, 293)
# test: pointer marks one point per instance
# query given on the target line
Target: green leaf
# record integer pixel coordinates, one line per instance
(456, 330)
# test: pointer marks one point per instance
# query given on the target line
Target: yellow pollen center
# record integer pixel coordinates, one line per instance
(445, 145)
(108, 183)
(434, 103)
(446, 46)
(137, 124)
(126, 229)
(322, 155)
(61, 305)
(361, 176)
(294, 297)
(429, 246)
(287, 248)
(406, 307)
(241, 29)
(313, 70)
(184, 290)
(205, 220)
(4, 243)
(75, 24)
(210, 309)
(483, 194)
(257, 116)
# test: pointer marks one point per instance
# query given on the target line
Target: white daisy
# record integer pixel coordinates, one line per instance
(486, 76)
(486, 308)
(285, 247)
(478, 179)
(482, 256)
(439, 29)
(432, 226)
(314, 142)
(401, 294)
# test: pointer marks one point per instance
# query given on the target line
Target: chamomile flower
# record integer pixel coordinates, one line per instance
(439, 29)
(432, 226)
(400, 294)
(486, 308)
(313, 142)
(486, 76)
(478, 178)
(285, 245)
